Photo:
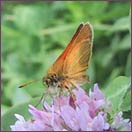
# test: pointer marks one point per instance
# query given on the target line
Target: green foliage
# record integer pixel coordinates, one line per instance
(118, 92)
(34, 35)
(126, 101)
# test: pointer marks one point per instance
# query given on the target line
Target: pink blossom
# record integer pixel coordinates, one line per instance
(87, 114)
(121, 124)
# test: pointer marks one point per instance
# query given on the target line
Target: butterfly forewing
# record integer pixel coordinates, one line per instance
(73, 62)
(57, 67)
(77, 60)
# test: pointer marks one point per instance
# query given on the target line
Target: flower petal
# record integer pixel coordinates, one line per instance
(70, 117)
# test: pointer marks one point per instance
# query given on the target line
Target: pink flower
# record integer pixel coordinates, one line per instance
(121, 124)
(87, 114)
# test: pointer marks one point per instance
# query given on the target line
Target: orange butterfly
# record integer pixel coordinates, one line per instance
(70, 67)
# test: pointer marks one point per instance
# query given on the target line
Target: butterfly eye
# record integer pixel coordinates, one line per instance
(47, 82)
(54, 76)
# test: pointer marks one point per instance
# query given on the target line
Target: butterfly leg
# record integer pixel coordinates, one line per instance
(59, 96)
(74, 84)
(65, 84)
(42, 98)
(60, 90)
(70, 91)
(72, 97)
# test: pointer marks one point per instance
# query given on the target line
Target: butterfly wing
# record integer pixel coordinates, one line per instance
(77, 59)
(73, 62)
(57, 67)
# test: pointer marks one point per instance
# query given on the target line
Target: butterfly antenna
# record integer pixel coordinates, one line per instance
(28, 83)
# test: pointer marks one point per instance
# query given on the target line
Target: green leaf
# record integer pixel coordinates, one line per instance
(121, 24)
(128, 65)
(125, 104)
(20, 95)
(4, 108)
(115, 73)
(116, 90)
(30, 18)
(104, 61)
(125, 43)
(9, 119)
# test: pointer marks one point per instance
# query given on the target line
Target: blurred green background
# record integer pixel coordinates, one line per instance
(34, 34)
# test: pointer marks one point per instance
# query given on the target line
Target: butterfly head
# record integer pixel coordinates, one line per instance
(50, 80)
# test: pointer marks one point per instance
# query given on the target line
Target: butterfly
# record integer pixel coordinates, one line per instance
(69, 69)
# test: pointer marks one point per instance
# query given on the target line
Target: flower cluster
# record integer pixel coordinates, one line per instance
(89, 113)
